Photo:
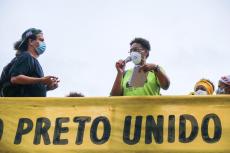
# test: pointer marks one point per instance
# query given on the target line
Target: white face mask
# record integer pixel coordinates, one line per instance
(136, 58)
(220, 91)
(201, 92)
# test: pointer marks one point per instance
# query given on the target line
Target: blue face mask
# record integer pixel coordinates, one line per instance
(41, 48)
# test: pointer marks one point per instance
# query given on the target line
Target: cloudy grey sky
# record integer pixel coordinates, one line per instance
(190, 39)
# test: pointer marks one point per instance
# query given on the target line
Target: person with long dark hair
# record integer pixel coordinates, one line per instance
(23, 76)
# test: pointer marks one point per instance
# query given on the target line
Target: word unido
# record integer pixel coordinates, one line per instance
(154, 129)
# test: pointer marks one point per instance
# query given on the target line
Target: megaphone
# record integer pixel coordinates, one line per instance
(128, 59)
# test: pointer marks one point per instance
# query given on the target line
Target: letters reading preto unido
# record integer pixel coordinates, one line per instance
(154, 128)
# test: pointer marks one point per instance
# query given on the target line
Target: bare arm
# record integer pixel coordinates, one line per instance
(117, 88)
(163, 79)
(23, 79)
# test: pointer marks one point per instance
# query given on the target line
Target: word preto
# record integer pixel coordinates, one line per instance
(153, 131)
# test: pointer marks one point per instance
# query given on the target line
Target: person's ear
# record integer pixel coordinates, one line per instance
(30, 41)
(146, 54)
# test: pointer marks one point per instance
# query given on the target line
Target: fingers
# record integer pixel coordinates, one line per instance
(55, 80)
(49, 80)
(53, 86)
(52, 77)
(143, 68)
(147, 67)
(120, 64)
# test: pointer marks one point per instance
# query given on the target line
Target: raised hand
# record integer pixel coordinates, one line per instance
(120, 66)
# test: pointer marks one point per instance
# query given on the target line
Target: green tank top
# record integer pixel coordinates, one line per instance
(150, 88)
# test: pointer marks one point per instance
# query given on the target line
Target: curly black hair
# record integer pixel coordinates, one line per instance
(75, 94)
(144, 43)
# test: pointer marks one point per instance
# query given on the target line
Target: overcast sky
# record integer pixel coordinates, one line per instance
(190, 39)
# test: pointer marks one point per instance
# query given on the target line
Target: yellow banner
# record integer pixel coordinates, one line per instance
(161, 124)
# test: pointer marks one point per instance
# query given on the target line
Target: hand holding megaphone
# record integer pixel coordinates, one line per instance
(120, 65)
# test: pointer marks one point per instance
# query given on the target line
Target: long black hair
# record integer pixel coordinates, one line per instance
(22, 44)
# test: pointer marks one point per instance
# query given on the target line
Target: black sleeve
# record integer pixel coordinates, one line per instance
(22, 66)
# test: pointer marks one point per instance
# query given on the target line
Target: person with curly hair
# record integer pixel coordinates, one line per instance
(75, 94)
(155, 77)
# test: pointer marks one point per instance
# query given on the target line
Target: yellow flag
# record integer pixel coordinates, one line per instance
(158, 124)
